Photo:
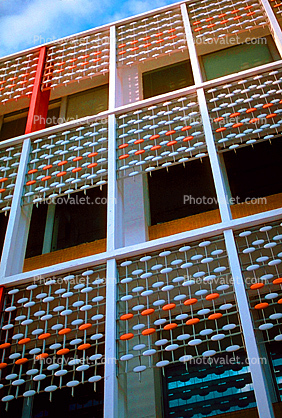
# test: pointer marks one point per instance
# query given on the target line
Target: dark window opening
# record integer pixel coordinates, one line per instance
(166, 79)
(36, 230)
(239, 58)
(80, 218)
(86, 403)
(52, 116)
(181, 191)
(14, 409)
(255, 171)
(3, 226)
(87, 103)
(13, 128)
(14, 123)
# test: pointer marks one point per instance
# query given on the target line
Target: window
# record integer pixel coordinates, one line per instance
(275, 356)
(181, 191)
(3, 226)
(239, 58)
(36, 230)
(53, 113)
(166, 79)
(255, 171)
(222, 384)
(13, 124)
(88, 102)
(85, 403)
(80, 218)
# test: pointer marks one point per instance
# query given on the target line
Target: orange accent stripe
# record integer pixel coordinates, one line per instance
(192, 321)
(3, 365)
(5, 345)
(169, 306)
(21, 361)
(125, 337)
(212, 296)
(261, 305)
(84, 326)
(148, 331)
(127, 316)
(170, 326)
(186, 128)
(62, 351)
(215, 316)
(44, 336)
(24, 341)
(83, 346)
(257, 286)
(41, 356)
(149, 311)
(64, 331)
(191, 301)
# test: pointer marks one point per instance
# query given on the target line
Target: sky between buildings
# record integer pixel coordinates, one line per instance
(29, 23)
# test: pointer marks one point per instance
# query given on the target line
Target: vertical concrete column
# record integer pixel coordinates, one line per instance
(17, 229)
(135, 209)
(274, 25)
(261, 391)
(135, 197)
(48, 233)
(130, 80)
(218, 176)
(114, 388)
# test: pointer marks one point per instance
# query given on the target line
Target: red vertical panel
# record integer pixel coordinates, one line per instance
(39, 101)
(2, 294)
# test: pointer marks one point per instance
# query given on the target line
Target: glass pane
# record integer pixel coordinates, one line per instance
(237, 58)
(166, 79)
(88, 103)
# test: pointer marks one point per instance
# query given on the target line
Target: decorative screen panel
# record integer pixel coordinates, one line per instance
(246, 111)
(68, 161)
(72, 60)
(52, 334)
(150, 37)
(160, 135)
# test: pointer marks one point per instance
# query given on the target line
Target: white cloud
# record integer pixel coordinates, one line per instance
(41, 20)
(36, 21)
(134, 7)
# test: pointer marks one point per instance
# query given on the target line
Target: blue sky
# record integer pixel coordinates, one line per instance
(28, 23)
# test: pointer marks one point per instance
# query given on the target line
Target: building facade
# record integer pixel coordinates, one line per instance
(141, 218)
